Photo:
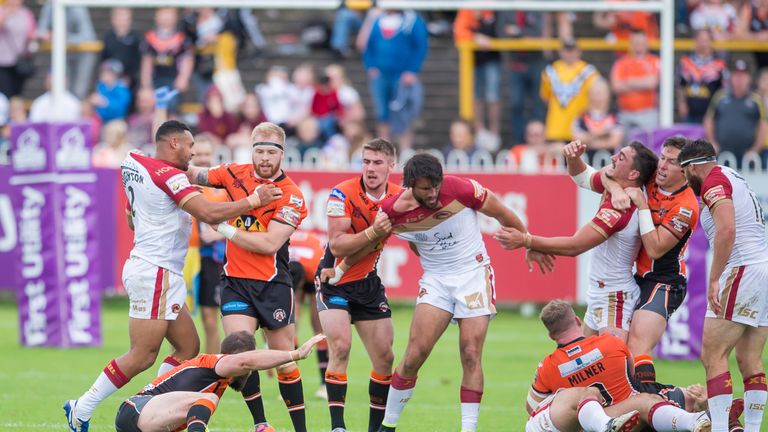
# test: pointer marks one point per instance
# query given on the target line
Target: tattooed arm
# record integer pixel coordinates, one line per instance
(198, 175)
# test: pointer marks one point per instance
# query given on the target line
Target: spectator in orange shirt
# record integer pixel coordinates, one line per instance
(635, 80)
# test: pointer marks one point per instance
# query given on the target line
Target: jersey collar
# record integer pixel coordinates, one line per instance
(571, 342)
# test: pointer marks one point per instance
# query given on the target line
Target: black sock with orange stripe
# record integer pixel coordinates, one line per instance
(378, 390)
(199, 415)
(322, 358)
(293, 395)
(252, 395)
(644, 369)
(336, 384)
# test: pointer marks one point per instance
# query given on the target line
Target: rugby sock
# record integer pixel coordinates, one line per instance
(754, 401)
(252, 395)
(470, 408)
(378, 388)
(644, 370)
(108, 382)
(199, 415)
(720, 395)
(665, 417)
(592, 416)
(169, 363)
(400, 393)
(336, 384)
(293, 395)
(322, 358)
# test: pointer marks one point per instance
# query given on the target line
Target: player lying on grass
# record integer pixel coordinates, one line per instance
(605, 363)
(187, 395)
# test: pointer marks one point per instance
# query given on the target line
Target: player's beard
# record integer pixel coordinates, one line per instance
(695, 184)
(267, 172)
(422, 202)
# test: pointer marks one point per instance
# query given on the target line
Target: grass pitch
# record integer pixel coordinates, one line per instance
(39, 380)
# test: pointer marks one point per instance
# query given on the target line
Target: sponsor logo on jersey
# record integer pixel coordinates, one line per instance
(234, 306)
(334, 208)
(663, 211)
(580, 363)
(338, 194)
(163, 170)
(686, 212)
(714, 194)
(679, 225)
(443, 214)
(573, 351)
(474, 301)
(279, 315)
(479, 189)
(338, 301)
(177, 183)
(289, 214)
(249, 223)
(609, 216)
(297, 201)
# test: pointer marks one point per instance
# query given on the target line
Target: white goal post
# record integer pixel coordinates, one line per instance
(664, 7)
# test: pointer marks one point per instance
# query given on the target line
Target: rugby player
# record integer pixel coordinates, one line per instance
(737, 307)
(437, 215)
(160, 202)
(186, 396)
(605, 363)
(613, 292)
(257, 289)
(357, 296)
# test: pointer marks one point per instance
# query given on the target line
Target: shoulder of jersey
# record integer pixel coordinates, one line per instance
(393, 188)
(345, 189)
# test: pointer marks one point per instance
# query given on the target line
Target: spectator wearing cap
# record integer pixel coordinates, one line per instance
(112, 98)
(564, 87)
(394, 54)
(736, 120)
(635, 80)
(700, 76)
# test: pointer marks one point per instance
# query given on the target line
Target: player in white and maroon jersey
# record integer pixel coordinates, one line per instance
(737, 310)
(612, 235)
(160, 201)
(437, 215)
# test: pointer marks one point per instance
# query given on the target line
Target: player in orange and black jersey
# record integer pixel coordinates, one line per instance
(357, 294)
(667, 219)
(257, 289)
(186, 396)
(605, 363)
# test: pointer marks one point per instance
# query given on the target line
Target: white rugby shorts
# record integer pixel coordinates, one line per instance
(744, 295)
(153, 292)
(466, 295)
(611, 308)
(541, 421)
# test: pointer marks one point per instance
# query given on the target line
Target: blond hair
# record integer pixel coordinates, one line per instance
(557, 317)
(265, 130)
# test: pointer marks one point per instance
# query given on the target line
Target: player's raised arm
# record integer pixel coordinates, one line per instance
(240, 364)
(658, 240)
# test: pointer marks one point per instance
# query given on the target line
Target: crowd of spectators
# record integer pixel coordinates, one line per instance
(542, 98)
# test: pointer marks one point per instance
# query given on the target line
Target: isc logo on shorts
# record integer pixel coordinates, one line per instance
(338, 301)
(234, 306)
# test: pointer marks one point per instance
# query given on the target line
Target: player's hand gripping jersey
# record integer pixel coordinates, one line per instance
(239, 180)
(156, 192)
(349, 200)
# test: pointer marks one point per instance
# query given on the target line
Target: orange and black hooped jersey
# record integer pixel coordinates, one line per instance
(678, 213)
(194, 375)
(603, 362)
(239, 180)
(349, 200)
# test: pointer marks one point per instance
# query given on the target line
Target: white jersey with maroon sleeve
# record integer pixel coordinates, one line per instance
(156, 191)
(751, 245)
(448, 237)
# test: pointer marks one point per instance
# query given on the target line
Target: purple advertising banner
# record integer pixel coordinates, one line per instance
(54, 189)
(8, 230)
